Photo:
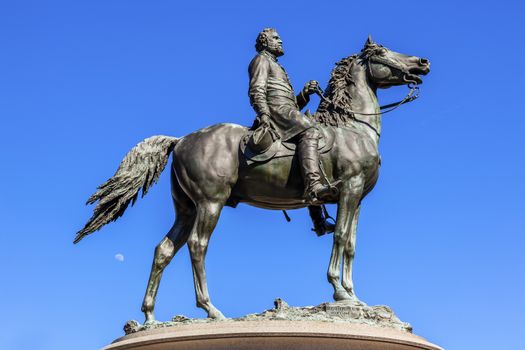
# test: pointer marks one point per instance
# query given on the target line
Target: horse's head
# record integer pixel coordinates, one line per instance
(374, 67)
(388, 68)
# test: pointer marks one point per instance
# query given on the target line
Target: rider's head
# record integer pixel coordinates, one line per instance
(269, 40)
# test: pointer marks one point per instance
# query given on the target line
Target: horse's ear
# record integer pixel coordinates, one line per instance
(369, 41)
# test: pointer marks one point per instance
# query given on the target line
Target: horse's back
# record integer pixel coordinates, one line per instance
(206, 161)
(209, 165)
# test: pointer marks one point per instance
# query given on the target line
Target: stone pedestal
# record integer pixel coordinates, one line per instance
(272, 335)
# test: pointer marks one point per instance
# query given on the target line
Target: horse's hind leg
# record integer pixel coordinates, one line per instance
(168, 247)
(206, 220)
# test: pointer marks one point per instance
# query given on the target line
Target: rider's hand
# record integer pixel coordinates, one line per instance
(310, 87)
(264, 119)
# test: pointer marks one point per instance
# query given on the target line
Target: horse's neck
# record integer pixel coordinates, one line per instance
(364, 99)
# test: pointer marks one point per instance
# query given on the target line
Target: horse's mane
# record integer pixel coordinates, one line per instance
(332, 113)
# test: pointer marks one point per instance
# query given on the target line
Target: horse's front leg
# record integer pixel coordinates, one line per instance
(348, 258)
(349, 198)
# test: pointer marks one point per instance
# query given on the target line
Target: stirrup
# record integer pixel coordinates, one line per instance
(323, 228)
(325, 193)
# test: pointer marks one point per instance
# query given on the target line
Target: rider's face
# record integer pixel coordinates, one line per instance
(275, 44)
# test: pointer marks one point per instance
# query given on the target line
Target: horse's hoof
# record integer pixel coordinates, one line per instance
(151, 322)
(354, 299)
(342, 295)
(216, 315)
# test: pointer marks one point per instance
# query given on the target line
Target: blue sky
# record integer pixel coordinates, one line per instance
(440, 238)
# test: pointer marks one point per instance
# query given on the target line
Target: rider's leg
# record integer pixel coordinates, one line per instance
(308, 153)
(321, 226)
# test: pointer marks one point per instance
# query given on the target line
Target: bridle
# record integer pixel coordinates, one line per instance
(411, 95)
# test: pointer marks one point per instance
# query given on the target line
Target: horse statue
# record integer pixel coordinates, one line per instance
(210, 171)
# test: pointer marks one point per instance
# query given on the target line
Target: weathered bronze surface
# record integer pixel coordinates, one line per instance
(210, 171)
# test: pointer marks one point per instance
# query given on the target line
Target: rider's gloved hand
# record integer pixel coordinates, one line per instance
(310, 87)
(264, 119)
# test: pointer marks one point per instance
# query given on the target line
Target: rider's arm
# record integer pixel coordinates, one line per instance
(302, 99)
(304, 96)
(258, 71)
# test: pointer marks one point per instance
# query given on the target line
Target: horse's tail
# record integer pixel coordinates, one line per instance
(139, 169)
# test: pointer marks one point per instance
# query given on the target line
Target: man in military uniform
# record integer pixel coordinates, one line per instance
(273, 99)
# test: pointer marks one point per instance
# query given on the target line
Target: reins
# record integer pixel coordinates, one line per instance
(411, 96)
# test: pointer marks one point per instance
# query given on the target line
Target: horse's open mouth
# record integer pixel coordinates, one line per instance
(412, 78)
(422, 69)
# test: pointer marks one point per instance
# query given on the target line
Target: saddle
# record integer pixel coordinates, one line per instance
(261, 145)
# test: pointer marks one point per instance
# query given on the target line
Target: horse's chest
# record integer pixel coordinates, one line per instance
(358, 155)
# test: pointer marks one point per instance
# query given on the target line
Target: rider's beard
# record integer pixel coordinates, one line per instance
(275, 49)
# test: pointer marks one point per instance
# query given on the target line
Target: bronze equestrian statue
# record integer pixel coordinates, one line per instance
(212, 167)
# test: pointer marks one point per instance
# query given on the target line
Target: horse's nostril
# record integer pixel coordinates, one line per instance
(424, 61)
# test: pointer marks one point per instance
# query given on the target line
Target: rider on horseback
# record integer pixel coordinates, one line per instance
(273, 99)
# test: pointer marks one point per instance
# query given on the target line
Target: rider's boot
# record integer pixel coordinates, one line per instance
(321, 226)
(315, 191)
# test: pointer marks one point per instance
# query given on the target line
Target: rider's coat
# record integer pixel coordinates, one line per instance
(271, 93)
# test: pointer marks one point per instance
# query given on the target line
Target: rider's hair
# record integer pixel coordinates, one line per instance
(262, 39)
